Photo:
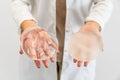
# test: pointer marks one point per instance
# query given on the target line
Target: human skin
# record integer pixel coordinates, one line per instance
(30, 24)
(88, 26)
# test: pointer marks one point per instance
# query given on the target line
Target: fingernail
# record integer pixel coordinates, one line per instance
(79, 65)
(85, 65)
(58, 51)
(74, 61)
(46, 66)
(20, 52)
(52, 61)
(38, 67)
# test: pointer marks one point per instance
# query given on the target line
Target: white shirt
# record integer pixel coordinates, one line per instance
(77, 12)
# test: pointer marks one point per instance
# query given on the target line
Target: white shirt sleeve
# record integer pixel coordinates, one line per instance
(100, 12)
(21, 11)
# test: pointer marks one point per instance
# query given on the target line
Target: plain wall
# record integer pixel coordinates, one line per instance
(9, 43)
(108, 65)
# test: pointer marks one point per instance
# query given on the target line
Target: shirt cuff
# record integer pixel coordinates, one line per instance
(97, 20)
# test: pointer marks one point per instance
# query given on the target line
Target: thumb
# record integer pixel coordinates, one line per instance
(37, 63)
(21, 51)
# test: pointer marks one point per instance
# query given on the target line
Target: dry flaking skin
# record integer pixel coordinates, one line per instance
(84, 46)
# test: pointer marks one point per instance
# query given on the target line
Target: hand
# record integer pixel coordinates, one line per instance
(38, 45)
(85, 45)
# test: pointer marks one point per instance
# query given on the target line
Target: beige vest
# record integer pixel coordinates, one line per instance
(60, 25)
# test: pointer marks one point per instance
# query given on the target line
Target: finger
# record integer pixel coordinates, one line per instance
(79, 63)
(52, 59)
(26, 46)
(74, 60)
(86, 63)
(37, 63)
(45, 62)
(49, 51)
(21, 51)
(32, 53)
(54, 45)
(39, 53)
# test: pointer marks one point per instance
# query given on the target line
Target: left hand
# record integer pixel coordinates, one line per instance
(38, 45)
(90, 44)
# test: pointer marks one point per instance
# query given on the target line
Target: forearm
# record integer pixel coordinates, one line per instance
(100, 12)
(22, 14)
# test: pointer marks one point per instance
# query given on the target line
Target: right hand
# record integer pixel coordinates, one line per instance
(86, 44)
(37, 44)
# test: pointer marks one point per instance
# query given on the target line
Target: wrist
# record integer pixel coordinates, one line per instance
(27, 24)
(92, 25)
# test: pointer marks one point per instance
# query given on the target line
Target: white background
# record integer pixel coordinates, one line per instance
(108, 65)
